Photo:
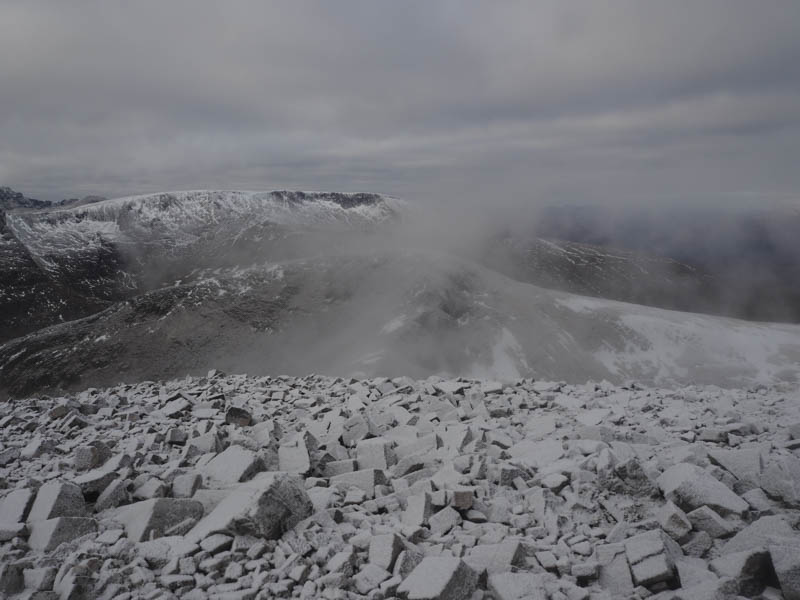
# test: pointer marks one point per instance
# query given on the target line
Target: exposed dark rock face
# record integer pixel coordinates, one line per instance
(10, 200)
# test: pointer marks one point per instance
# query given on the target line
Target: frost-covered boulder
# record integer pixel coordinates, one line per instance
(690, 487)
(265, 507)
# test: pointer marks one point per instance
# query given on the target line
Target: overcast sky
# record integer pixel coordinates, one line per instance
(491, 102)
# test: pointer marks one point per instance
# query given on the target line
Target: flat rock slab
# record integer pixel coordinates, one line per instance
(650, 557)
(744, 464)
(48, 535)
(265, 507)
(15, 506)
(384, 549)
(786, 562)
(364, 479)
(517, 586)
(155, 518)
(540, 427)
(233, 465)
(536, 454)
(439, 578)
(57, 499)
(691, 487)
(94, 482)
(495, 558)
(762, 533)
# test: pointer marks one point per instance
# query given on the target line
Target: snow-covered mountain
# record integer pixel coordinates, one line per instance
(111, 248)
(62, 263)
(157, 286)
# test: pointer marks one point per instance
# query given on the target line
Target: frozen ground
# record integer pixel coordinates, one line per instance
(235, 487)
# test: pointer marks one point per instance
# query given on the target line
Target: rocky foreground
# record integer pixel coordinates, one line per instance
(236, 488)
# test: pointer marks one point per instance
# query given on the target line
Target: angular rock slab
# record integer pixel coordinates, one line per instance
(48, 535)
(517, 586)
(151, 519)
(786, 562)
(439, 578)
(57, 499)
(691, 487)
(265, 507)
(15, 506)
(233, 465)
(762, 533)
(536, 454)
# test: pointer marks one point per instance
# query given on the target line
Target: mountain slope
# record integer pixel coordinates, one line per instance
(389, 314)
(11, 200)
(65, 263)
(29, 299)
(114, 247)
(610, 273)
(752, 256)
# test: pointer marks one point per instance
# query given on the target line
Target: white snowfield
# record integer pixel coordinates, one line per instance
(665, 346)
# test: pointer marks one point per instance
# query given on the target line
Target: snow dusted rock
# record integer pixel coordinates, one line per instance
(384, 549)
(651, 556)
(674, 522)
(57, 499)
(536, 454)
(370, 577)
(781, 479)
(47, 535)
(237, 415)
(113, 495)
(16, 505)
(745, 464)
(691, 487)
(265, 507)
(184, 486)
(93, 483)
(761, 533)
(174, 408)
(615, 575)
(439, 578)
(233, 465)
(11, 579)
(496, 558)
(518, 586)
(705, 519)
(374, 453)
(749, 569)
(365, 480)
(786, 563)
(151, 519)
(293, 457)
(418, 510)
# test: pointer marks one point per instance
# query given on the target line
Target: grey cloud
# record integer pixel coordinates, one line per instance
(508, 102)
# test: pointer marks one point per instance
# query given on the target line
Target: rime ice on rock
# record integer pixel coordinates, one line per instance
(47, 535)
(439, 578)
(233, 465)
(264, 507)
(261, 487)
(57, 499)
(690, 486)
(155, 518)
